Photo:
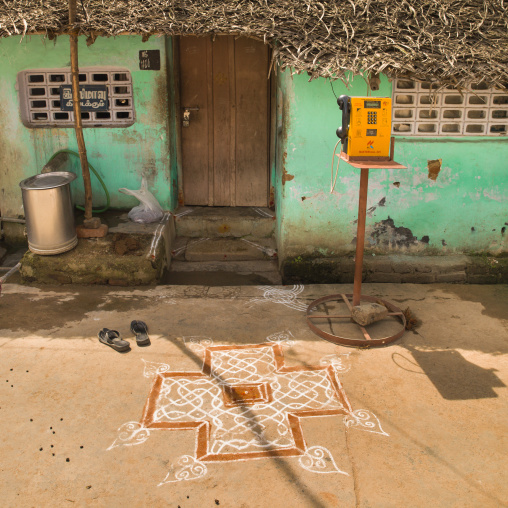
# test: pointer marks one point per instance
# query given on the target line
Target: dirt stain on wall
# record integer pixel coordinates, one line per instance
(434, 167)
(387, 234)
(286, 177)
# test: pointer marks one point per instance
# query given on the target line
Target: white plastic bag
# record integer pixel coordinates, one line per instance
(149, 209)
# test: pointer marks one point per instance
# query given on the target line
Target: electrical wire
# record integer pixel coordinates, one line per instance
(331, 84)
(332, 180)
(101, 181)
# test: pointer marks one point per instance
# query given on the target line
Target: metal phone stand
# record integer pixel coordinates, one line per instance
(351, 300)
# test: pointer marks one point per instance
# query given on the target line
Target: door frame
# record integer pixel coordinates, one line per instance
(174, 82)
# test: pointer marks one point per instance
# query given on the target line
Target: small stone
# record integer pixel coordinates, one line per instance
(99, 232)
(93, 223)
(368, 313)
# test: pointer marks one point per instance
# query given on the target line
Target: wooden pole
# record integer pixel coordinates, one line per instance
(78, 126)
(360, 235)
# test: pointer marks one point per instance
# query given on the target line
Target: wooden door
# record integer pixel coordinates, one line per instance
(226, 143)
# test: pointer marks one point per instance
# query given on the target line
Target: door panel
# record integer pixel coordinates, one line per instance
(222, 107)
(195, 56)
(251, 62)
(225, 147)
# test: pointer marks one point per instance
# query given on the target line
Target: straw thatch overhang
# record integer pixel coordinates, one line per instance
(452, 42)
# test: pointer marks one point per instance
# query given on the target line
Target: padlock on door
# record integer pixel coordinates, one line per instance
(186, 116)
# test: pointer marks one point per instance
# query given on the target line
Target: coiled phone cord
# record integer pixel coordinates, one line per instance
(332, 180)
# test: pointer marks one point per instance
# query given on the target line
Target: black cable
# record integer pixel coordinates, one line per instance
(331, 84)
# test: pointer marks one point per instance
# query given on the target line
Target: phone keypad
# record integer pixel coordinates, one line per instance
(372, 117)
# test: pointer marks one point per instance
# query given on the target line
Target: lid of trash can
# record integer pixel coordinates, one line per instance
(48, 180)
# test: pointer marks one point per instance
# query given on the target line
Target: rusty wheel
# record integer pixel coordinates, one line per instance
(365, 339)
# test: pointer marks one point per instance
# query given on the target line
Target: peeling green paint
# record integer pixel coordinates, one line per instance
(470, 191)
(462, 210)
(120, 155)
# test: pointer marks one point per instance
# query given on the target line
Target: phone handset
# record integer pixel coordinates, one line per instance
(344, 104)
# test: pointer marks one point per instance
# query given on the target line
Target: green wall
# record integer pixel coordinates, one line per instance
(470, 191)
(463, 210)
(121, 155)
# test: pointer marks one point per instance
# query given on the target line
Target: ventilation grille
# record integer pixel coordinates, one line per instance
(39, 91)
(418, 111)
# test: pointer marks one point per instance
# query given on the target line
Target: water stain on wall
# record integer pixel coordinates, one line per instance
(372, 209)
(386, 234)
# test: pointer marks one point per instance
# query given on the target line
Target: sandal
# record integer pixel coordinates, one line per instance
(112, 339)
(140, 329)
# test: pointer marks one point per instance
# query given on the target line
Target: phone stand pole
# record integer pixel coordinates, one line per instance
(360, 235)
(320, 321)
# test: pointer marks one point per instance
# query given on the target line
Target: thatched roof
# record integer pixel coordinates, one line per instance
(448, 41)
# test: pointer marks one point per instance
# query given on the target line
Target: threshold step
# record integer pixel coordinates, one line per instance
(222, 222)
(224, 249)
(223, 273)
(258, 266)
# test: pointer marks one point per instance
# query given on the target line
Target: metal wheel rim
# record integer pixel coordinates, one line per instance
(338, 339)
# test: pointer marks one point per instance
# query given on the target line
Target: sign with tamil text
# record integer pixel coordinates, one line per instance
(150, 60)
(92, 98)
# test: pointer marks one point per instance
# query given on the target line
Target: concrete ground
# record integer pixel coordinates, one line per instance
(74, 431)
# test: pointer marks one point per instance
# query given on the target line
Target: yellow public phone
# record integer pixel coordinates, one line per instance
(366, 127)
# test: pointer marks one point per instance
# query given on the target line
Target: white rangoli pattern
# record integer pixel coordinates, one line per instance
(364, 419)
(286, 297)
(285, 337)
(197, 343)
(185, 468)
(152, 369)
(340, 363)
(318, 459)
(130, 434)
(245, 403)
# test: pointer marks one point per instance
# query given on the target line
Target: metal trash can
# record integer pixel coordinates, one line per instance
(49, 212)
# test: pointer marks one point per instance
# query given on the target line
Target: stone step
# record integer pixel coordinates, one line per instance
(224, 249)
(220, 222)
(131, 254)
(224, 273)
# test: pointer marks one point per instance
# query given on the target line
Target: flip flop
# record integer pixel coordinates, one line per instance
(112, 339)
(140, 329)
